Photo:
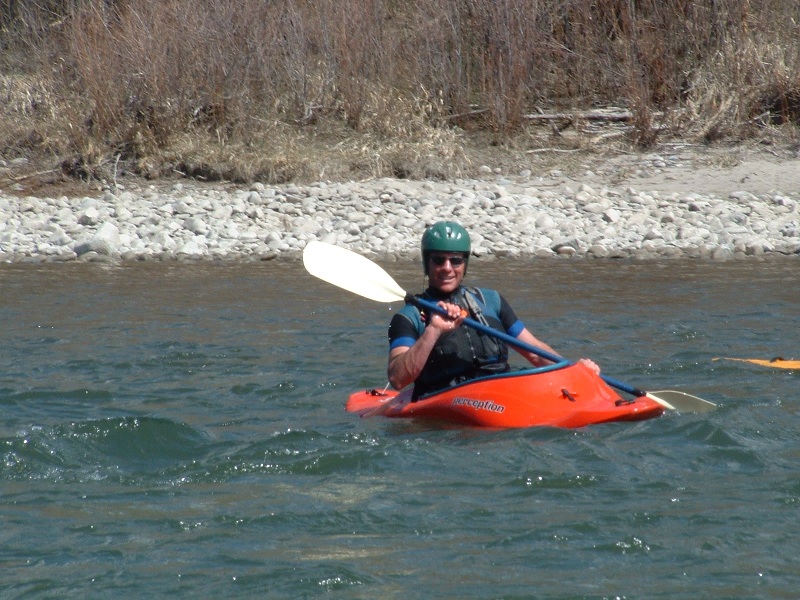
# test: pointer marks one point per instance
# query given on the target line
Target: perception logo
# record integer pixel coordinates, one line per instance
(478, 404)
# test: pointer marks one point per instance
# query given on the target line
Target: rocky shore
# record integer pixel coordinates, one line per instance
(654, 214)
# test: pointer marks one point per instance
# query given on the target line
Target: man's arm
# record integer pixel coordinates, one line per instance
(537, 361)
(406, 363)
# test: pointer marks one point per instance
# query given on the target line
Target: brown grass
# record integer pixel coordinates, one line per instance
(345, 89)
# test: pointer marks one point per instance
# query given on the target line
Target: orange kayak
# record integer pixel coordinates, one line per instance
(778, 362)
(561, 395)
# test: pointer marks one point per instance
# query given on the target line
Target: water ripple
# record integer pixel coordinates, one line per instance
(180, 430)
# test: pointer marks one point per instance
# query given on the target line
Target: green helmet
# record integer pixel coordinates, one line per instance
(444, 236)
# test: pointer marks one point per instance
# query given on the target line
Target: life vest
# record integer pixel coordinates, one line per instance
(463, 353)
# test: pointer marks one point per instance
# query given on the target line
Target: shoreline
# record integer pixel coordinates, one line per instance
(653, 206)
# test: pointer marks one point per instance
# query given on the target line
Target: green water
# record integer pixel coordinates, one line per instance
(178, 431)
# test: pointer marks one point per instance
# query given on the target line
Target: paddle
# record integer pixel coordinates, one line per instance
(359, 275)
(777, 362)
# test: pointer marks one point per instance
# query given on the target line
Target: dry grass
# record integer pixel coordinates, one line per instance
(348, 89)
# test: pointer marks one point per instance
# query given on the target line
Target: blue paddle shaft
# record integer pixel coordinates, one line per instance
(512, 341)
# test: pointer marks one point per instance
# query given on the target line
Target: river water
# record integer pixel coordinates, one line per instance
(174, 429)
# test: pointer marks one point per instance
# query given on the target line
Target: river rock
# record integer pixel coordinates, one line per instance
(385, 217)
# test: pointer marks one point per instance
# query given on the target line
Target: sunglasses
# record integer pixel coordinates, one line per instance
(455, 261)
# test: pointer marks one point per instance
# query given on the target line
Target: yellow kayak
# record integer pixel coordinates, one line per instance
(778, 362)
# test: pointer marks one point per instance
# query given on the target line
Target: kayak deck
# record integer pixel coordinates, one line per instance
(561, 395)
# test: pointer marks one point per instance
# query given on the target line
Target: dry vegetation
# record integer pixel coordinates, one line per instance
(280, 90)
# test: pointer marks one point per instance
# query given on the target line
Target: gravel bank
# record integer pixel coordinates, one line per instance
(517, 216)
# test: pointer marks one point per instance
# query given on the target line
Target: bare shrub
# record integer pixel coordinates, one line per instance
(381, 86)
(747, 86)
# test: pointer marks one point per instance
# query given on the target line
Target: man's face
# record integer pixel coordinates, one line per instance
(446, 270)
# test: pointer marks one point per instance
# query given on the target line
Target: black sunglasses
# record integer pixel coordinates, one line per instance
(455, 261)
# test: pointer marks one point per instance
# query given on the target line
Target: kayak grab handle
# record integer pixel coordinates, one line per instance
(566, 393)
(512, 341)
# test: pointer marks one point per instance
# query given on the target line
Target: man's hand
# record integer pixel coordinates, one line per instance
(591, 364)
(455, 317)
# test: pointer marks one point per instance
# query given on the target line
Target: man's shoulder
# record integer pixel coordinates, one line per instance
(407, 313)
(489, 297)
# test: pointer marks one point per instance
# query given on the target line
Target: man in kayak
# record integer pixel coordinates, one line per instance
(434, 351)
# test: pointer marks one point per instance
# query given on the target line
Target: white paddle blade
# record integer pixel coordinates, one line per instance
(350, 271)
(681, 401)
